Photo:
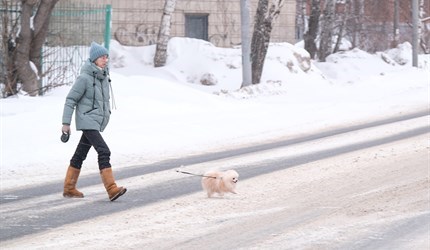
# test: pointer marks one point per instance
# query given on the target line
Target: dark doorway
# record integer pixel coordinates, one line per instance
(196, 26)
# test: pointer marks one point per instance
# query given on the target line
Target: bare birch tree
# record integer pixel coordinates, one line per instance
(340, 29)
(164, 34)
(396, 29)
(424, 32)
(264, 18)
(301, 24)
(326, 35)
(358, 31)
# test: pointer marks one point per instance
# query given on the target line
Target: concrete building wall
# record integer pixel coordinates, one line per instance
(136, 22)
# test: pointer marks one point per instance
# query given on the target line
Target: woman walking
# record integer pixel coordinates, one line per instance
(90, 97)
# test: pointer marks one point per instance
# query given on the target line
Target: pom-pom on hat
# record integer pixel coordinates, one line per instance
(97, 51)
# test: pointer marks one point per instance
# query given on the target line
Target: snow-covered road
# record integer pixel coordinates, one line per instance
(363, 189)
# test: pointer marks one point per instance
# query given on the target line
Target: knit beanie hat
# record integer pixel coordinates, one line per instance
(97, 51)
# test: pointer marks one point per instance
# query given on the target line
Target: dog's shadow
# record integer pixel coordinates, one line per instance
(235, 196)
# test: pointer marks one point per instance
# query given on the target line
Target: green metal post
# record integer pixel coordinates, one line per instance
(108, 23)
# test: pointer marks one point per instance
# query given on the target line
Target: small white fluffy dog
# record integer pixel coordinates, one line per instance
(220, 182)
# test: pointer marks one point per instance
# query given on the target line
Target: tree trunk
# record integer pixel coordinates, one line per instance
(424, 33)
(357, 20)
(261, 36)
(30, 41)
(312, 32)
(164, 34)
(26, 74)
(41, 25)
(300, 19)
(396, 31)
(326, 35)
(341, 29)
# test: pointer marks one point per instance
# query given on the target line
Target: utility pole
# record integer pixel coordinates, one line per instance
(246, 42)
(415, 33)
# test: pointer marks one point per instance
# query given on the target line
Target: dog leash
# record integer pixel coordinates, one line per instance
(183, 172)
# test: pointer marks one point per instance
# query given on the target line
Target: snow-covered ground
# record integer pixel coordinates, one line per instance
(375, 198)
(166, 112)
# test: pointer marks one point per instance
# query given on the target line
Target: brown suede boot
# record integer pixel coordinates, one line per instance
(113, 191)
(70, 183)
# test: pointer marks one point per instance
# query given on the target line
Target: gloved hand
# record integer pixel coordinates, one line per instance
(66, 129)
(65, 135)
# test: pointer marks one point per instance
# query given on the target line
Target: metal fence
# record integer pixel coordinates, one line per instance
(72, 28)
(9, 13)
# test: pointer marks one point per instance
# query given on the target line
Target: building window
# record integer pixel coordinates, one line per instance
(196, 26)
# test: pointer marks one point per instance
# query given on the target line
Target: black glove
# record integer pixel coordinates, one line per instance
(65, 137)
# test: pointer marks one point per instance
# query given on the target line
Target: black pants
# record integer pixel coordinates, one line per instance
(91, 138)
